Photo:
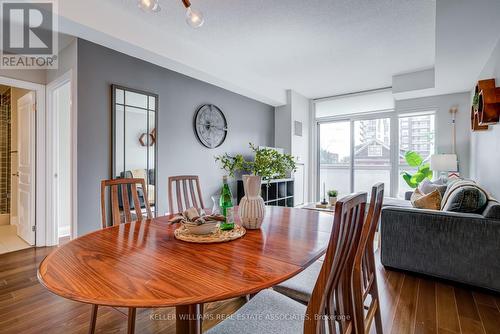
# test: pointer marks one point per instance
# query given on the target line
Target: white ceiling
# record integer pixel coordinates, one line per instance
(260, 48)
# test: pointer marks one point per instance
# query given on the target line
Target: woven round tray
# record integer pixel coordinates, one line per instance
(218, 236)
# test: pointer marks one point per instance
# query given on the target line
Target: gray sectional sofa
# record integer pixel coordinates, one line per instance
(462, 247)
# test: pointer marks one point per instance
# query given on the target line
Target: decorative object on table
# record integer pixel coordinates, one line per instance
(210, 126)
(332, 197)
(216, 207)
(413, 159)
(324, 202)
(252, 208)
(444, 164)
(226, 204)
(197, 222)
(216, 237)
(268, 164)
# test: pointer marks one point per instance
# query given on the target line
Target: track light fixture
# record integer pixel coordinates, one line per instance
(194, 17)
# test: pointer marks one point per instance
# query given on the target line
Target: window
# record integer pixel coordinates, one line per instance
(372, 155)
(419, 138)
(335, 157)
(357, 152)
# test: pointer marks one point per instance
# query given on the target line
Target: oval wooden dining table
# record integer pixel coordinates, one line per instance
(142, 265)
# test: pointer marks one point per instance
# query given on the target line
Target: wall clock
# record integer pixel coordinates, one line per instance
(210, 126)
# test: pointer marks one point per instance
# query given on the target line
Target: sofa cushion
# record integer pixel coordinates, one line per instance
(464, 196)
(431, 201)
(427, 186)
(492, 210)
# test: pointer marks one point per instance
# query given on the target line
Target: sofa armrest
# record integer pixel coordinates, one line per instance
(450, 245)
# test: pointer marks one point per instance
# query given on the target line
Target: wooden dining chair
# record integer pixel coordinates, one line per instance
(331, 297)
(364, 276)
(187, 193)
(123, 187)
(330, 304)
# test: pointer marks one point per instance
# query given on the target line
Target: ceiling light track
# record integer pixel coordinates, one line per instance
(194, 17)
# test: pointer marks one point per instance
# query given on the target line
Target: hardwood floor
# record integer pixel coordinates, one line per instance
(410, 304)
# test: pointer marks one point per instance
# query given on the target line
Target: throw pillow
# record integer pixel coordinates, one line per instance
(431, 201)
(427, 186)
(416, 195)
(464, 196)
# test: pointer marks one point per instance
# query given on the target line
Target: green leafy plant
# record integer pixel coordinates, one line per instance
(268, 163)
(475, 102)
(332, 193)
(231, 164)
(423, 169)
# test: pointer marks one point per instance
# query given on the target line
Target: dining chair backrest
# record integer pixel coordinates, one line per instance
(131, 211)
(331, 295)
(364, 276)
(187, 193)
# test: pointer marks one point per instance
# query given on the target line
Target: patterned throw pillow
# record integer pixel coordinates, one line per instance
(431, 201)
(464, 196)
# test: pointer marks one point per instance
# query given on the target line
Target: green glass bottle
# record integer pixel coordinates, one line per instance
(226, 205)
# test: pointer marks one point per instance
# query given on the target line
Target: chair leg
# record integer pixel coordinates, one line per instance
(131, 320)
(378, 319)
(93, 319)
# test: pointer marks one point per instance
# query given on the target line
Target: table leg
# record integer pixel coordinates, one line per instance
(93, 319)
(131, 320)
(189, 319)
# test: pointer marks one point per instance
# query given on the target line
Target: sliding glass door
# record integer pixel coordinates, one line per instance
(368, 141)
(335, 157)
(372, 153)
(357, 152)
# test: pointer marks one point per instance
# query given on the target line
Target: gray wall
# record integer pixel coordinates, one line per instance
(442, 104)
(179, 150)
(485, 145)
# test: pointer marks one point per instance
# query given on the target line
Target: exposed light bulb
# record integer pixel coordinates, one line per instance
(194, 18)
(149, 5)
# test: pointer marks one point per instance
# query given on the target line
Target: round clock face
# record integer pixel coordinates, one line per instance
(210, 126)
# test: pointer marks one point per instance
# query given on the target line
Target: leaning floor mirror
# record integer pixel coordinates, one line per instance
(134, 140)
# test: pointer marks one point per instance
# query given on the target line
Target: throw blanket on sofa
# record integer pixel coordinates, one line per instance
(456, 186)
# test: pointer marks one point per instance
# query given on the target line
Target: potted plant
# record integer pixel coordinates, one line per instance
(413, 159)
(332, 197)
(267, 165)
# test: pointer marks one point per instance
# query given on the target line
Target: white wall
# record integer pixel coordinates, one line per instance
(485, 145)
(441, 104)
(36, 76)
(296, 109)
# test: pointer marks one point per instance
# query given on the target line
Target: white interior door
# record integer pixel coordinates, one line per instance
(26, 153)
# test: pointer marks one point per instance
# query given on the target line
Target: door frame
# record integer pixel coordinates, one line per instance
(40, 181)
(52, 228)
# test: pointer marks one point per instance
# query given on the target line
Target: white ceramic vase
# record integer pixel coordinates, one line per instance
(252, 209)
